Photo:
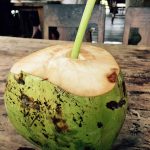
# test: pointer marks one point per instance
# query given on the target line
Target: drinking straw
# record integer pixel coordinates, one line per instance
(82, 28)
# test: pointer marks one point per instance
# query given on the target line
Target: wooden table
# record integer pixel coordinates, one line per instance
(135, 64)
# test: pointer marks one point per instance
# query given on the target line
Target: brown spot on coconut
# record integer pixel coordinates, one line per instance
(112, 77)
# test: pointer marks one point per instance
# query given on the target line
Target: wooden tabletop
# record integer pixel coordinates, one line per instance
(135, 64)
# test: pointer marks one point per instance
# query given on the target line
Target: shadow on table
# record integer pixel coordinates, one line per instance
(126, 144)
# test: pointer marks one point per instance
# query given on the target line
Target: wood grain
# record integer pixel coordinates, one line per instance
(135, 64)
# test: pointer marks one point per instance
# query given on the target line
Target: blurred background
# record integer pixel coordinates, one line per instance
(19, 18)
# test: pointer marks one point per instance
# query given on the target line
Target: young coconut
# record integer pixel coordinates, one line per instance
(59, 103)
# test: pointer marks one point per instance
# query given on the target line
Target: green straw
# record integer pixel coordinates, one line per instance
(82, 28)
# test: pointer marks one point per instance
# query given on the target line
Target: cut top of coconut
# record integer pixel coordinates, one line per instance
(94, 73)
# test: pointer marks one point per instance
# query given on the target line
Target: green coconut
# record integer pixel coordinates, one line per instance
(58, 103)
